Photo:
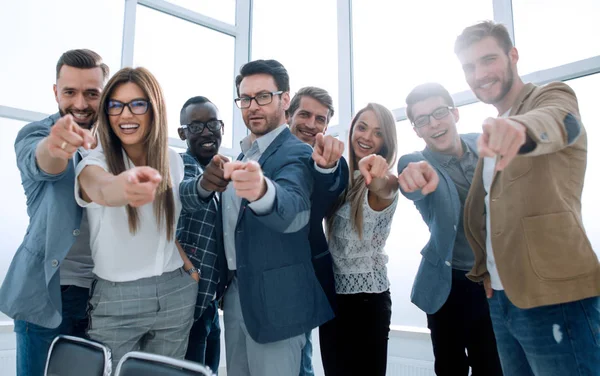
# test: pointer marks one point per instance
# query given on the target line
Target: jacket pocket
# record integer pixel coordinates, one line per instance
(289, 294)
(558, 247)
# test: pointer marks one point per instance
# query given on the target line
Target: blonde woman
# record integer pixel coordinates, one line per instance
(355, 341)
(142, 299)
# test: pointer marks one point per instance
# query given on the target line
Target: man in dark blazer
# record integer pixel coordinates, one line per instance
(272, 297)
(438, 181)
(310, 111)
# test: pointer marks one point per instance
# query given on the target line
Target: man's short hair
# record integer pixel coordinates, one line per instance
(477, 32)
(270, 67)
(82, 59)
(426, 91)
(316, 93)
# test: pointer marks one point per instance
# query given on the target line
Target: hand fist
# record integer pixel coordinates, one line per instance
(66, 136)
(140, 185)
(372, 167)
(501, 136)
(248, 180)
(327, 150)
(213, 178)
(418, 175)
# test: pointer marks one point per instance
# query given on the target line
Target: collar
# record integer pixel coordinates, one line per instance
(446, 159)
(263, 141)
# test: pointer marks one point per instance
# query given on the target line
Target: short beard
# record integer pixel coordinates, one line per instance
(506, 86)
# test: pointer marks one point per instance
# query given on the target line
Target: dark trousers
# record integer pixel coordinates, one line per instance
(355, 342)
(464, 323)
(204, 344)
(33, 341)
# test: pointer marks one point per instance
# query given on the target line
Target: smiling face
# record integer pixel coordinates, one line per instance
(77, 92)
(367, 137)
(130, 128)
(309, 119)
(203, 145)
(440, 135)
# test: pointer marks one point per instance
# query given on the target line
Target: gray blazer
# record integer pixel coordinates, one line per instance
(31, 289)
(440, 211)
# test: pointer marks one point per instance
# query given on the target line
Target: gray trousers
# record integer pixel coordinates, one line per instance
(152, 314)
(246, 357)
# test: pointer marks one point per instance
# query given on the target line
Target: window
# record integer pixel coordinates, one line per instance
(302, 36)
(222, 10)
(12, 199)
(549, 33)
(36, 33)
(409, 233)
(420, 46)
(586, 89)
(188, 60)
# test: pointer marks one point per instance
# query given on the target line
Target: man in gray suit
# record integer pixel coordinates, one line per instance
(437, 180)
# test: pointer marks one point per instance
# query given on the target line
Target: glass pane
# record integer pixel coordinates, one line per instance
(222, 10)
(555, 32)
(12, 200)
(421, 48)
(306, 44)
(410, 233)
(586, 89)
(35, 34)
(188, 60)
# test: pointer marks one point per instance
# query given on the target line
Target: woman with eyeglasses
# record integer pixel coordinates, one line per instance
(355, 341)
(142, 299)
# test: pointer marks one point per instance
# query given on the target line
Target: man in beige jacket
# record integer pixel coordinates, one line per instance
(523, 215)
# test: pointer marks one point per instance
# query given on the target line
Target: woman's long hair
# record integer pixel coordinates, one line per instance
(156, 144)
(355, 193)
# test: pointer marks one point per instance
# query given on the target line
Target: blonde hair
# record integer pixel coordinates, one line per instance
(155, 144)
(355, 193)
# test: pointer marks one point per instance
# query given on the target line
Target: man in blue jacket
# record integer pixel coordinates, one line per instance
(273, 296)
(310, 111)
(47, 285)
(437, 180)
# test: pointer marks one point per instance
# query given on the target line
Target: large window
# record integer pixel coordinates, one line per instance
(222, 10)
(188, 60)
(301, 35)
(549, 33)
(35, 33)
(401, 44)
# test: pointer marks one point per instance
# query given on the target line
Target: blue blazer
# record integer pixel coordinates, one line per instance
(327, 188)
(280, 294)
(440, 211)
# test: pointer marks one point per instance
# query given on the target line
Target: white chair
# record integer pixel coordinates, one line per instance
(74, 356)
(136, 363)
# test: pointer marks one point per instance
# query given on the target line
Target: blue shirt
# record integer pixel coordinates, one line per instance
(31, 289)
(197, 236)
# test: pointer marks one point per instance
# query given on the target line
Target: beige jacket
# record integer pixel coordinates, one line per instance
(542, 253)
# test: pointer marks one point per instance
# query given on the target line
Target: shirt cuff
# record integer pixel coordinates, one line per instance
(327, 170)
(203, 193)
(264, 204)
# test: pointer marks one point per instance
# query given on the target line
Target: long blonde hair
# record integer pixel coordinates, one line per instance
(355, 193)
(156, 144)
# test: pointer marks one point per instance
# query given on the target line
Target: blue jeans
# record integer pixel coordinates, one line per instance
(556, 340)
(33, 341)
(306, 368)
(204, 345)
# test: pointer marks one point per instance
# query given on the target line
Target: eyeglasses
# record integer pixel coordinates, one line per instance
(214, 126)
(438, 114)
(261, 99)
(136, 107)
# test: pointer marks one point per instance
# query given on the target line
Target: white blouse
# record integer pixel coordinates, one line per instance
(119, 255)
(360, 265)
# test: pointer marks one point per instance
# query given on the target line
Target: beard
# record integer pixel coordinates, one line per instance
(85, 124)
(272, 120)
(505, 89)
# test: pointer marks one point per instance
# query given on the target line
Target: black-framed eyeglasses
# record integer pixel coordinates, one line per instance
(214, 126)
(261, 99)
(136, 107)
(438, 114)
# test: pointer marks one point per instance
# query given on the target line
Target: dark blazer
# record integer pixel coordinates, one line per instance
(440, 211)
(327, 188)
